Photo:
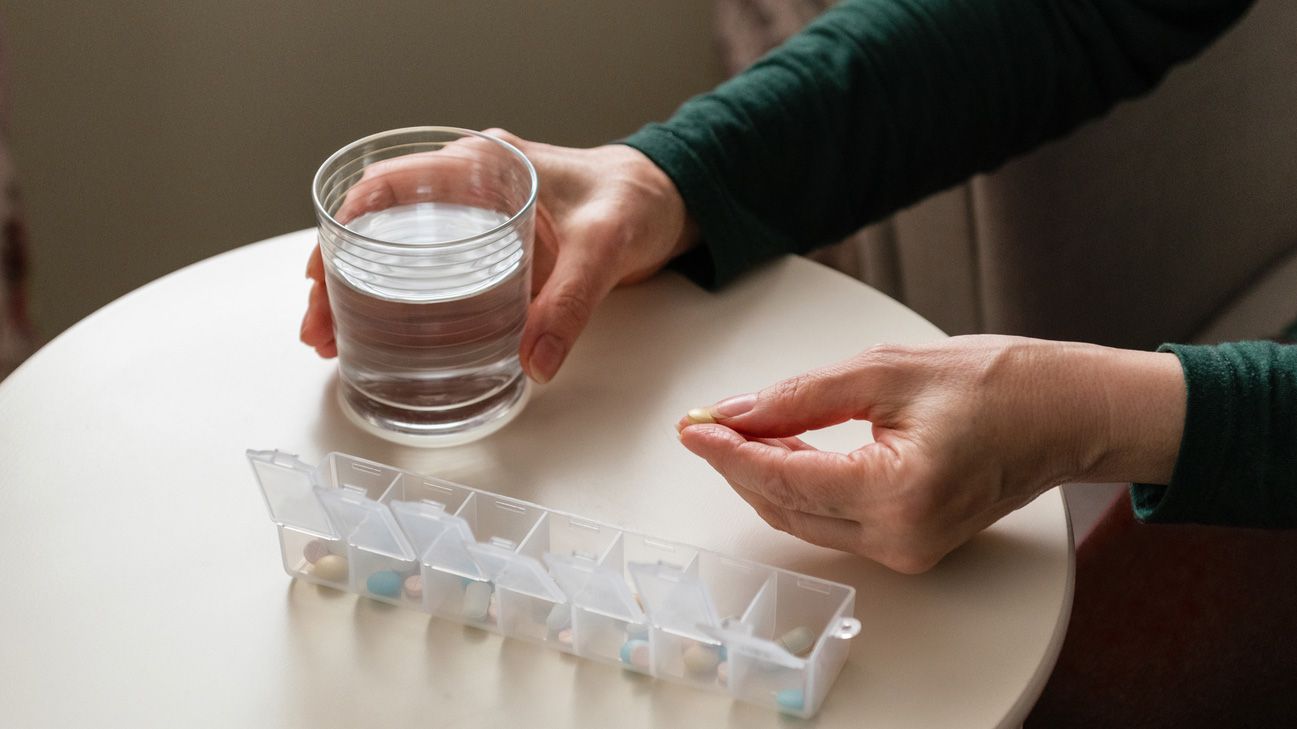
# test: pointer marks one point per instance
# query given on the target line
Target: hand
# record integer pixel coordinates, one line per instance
(605, 216)
(965, 431)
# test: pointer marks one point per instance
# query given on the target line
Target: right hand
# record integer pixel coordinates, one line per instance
(965, 431)
(605, 216)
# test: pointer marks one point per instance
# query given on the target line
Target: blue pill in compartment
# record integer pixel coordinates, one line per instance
(635, 653)
(386, 583)
(790, 699)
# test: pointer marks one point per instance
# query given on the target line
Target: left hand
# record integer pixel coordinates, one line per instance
(965, 431)
(605, 216)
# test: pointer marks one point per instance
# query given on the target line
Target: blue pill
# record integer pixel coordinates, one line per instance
(386, 583)
(790, 699)
(635, 653)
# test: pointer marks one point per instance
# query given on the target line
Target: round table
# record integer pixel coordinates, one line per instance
(142, 580)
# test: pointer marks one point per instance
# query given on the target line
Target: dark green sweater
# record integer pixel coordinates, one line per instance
(879, 103)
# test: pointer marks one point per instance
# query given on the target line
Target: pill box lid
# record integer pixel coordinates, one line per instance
(516, 572)
(593, 587)
(674, 599)
(365, 523)
(740, 641)
(288, 486)
(424, 522)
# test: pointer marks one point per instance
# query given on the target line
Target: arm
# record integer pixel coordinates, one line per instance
(1237, 461)
(879, 103)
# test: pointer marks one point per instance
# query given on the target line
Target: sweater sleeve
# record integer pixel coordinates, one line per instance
(1238, 455)
(879, 103)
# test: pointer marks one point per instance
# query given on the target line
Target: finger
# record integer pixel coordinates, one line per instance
(840, 534)
(315, 265)
(469, 171)
(789, 443)
(857, 388)
(580, 281)
(810, 480)
(544, 250)
(317, 325)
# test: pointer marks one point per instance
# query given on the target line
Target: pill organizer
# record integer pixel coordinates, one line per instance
(758, 633)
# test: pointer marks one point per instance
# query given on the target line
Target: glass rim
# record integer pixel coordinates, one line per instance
(317, 184)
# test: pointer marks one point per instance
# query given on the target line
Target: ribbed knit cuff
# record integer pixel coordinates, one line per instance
(1238, 456)
(728, 246)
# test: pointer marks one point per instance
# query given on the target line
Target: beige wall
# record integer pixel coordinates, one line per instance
(154, 133)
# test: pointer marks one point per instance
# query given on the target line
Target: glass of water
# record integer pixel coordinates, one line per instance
(427, 236)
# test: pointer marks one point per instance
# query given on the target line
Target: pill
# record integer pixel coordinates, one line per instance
(331, 568)
(413, 587)
(565, 636)
(723, 673)
(699, 658)
(559, 617)
(798, 640)
(635, 653)
(477, 601)
(493, 609)
(385, 583)
(790, 699)
(314, 550)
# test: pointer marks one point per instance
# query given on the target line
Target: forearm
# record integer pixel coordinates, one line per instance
(1237, 463)
(881, 102)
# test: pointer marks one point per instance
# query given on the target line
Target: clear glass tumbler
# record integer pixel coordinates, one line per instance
(427, 236)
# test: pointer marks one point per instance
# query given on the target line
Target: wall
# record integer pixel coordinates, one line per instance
(154, 133)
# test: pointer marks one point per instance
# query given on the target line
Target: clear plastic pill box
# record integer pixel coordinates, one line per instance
(758, 633)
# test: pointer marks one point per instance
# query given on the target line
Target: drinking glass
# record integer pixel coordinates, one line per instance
(426, 235)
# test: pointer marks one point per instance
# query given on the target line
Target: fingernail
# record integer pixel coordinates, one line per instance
(734, 406)
(546, 356)
(728, 408)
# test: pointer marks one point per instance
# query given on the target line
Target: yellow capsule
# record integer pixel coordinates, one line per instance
(700, 416)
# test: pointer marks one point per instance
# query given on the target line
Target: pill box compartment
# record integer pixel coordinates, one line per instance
(661, 608)
(684, 605)
(791, 642)
(305, 532)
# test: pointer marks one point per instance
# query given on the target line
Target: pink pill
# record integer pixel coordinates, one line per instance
(314, 550)
(413, 587)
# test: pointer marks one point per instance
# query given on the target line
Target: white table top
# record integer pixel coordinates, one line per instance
(142, 583)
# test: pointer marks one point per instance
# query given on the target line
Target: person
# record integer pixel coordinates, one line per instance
(873, 106)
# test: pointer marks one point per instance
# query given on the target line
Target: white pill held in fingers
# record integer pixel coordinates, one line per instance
(798, 640)
(477, 601)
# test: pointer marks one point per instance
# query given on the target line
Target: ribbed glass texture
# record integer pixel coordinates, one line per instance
(426, 235)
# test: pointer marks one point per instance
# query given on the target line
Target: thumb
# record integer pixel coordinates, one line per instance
(817, 399)
(561, 311)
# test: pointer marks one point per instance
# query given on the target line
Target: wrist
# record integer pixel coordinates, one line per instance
(684, 233)
(1140, 405)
